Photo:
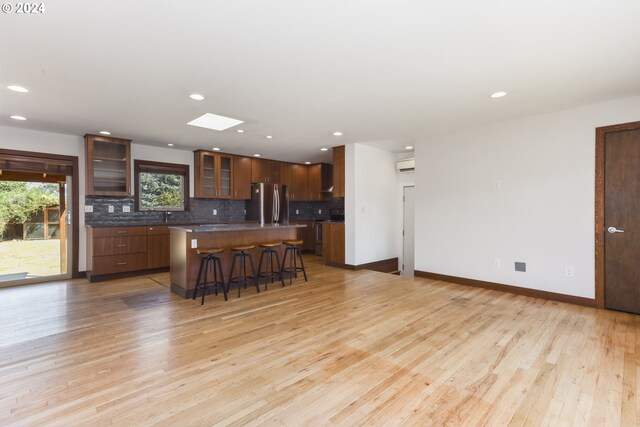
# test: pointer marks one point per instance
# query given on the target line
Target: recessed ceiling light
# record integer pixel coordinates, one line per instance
(170, 145)
(324, 149)
(269, 137)
(16, 88)
(105, 132)
(307, 163)
(216, 149)
(196, 96)
(257, 155)
(408, 147)
(215, 122)
(18, 118)
(498, 94)
(240, 131)
(337, 134)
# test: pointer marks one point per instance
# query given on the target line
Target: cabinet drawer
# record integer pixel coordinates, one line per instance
(118, 263)
(119, 245)
(119, 231)
(157, 230)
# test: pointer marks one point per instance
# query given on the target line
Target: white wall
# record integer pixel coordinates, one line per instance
(15, 138)
(370, 211)
(544, 213)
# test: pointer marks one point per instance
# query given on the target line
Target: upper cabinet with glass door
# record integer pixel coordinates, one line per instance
(108, 166)
(213, 175)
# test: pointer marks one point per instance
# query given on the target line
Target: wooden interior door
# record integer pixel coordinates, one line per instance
(622, 220)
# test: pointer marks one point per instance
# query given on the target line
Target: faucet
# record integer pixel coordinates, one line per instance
(167, 214)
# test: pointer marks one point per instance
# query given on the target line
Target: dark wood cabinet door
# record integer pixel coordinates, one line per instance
(158, 251)
(258, 173)
(315, 182)
(300, 182)
(241, 178)
(273, 171)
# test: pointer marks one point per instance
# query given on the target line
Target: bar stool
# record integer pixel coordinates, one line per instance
(210, 259)
(293, 249)
(269, 273)
(242, 278)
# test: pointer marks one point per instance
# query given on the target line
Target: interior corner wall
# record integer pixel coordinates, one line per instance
(521, 190)
(370, 211)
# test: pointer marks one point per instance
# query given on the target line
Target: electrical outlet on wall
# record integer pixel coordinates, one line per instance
(319, 211)
(568, 271)
(215, 211)
(110, 209)
(497, 263)
(88, 208)
(194, 243)
(126, 208)
(297, 212)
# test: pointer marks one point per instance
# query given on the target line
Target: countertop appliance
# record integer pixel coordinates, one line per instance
(336, 215)
(269, 204)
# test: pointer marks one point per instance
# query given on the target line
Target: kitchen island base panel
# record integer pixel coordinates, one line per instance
(185, 260)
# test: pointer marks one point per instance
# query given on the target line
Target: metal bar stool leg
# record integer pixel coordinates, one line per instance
(253, 271)
(195, 291)
(302, 264)
(279, 269)
(204, 284)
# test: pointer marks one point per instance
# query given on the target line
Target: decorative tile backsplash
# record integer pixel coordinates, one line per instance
(201, 211)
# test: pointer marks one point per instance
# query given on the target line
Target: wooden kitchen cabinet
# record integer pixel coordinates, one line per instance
(264, 170)
(333, 243)
(320, 181)
(108, 166)
(157, 247)
(295, 177)
(213, 175)
(116, 250)
(241, 177)
(126, 249)
(338, 172)
(307, 235)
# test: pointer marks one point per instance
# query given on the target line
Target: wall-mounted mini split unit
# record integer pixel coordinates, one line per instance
(406, 165)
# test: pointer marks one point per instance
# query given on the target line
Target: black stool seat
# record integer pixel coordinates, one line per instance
(293, 250)
(210, 259)
(242, 279)
(269, 273)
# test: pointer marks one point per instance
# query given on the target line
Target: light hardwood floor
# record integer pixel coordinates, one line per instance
(347, 348)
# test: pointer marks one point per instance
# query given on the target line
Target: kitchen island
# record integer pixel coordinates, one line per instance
(184, 242)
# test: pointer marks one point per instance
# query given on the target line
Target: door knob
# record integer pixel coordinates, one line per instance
(614, 230)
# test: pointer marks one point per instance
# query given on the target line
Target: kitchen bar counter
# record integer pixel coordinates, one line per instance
(206, 228)
(184, 242)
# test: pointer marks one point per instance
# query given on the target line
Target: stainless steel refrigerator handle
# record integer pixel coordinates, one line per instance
(276, 195)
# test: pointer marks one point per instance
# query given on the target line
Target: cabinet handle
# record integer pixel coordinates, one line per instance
(121, 232)
(122, 245)
(122, 263)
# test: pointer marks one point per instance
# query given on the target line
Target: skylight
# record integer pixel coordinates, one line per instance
(215, 122)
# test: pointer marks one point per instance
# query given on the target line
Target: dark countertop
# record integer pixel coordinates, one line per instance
(232, 227)
(158, 224)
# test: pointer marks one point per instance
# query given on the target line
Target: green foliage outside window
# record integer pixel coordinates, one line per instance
(160, 191)
(19, 201)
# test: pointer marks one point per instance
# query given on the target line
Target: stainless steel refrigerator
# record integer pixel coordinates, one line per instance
(269, 204)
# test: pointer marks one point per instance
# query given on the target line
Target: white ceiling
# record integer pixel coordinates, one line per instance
(382, 72)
